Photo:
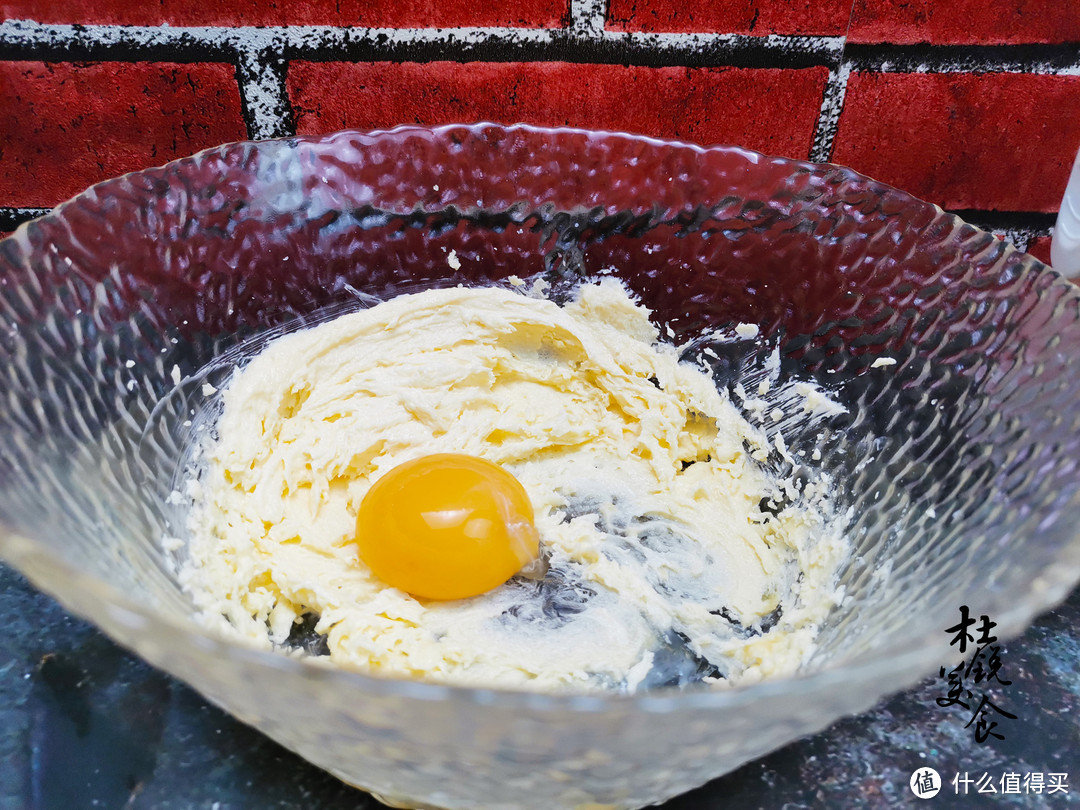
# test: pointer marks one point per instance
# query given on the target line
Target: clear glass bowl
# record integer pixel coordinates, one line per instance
(959, 462)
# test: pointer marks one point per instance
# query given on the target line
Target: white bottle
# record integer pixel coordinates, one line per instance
(1065, 245)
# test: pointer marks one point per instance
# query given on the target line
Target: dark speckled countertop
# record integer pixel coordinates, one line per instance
(83, 724)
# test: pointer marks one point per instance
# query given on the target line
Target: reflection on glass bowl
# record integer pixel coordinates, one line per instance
(958, 462)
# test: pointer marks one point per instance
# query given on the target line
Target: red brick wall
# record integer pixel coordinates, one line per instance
(985, 141)
(66, 125)
(369, 13)
(771, 110)
(972, 105)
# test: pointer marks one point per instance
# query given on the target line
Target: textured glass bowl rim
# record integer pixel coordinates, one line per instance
(920, 657)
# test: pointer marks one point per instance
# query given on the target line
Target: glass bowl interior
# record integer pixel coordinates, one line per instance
(958, 462)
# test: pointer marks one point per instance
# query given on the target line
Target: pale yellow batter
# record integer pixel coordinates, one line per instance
(663, 567)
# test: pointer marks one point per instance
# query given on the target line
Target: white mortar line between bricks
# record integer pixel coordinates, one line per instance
(29, 33)
(968, 66)
(11, 218)
(587, 18)
(302, 40)
(301, 37)
(832, 103)
(312, 39)
(826, 46)
(22, 214)
(1021, 239)
(261, 78)
(586, 25)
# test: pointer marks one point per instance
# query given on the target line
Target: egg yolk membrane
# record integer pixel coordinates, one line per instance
(446, 526)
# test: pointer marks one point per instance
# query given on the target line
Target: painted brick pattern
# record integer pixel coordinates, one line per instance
(66, 126)
(965, 21)
(821, 17)
(965, 141)
(368, 13)
(971, 105)
(770, 110)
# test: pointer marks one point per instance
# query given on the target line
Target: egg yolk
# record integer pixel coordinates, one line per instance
(446, 526)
